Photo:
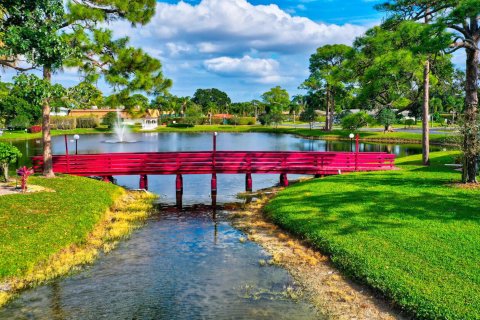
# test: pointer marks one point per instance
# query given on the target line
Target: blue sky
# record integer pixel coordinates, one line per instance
(246, 47)
(243, 47)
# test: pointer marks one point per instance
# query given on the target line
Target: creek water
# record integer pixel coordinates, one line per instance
(184, 263)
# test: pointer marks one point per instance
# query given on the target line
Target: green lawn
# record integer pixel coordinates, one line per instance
(35, 226)
(22, 135)
(335, 134)
(408, 233)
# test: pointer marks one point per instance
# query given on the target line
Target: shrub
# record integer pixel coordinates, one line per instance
(110, 119)
(180, 125)
(387, 117)
(355, 121)
(409, 122)
(242, 121)
(20, 122)
(8, 154)
(63, 123)
(87, 122)
(35, 129)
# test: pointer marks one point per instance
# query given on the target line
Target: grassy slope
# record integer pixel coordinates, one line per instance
(34, 226)
(407, 233)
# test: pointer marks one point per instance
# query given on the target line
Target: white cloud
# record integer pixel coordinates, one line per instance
(233, 45)
(262, 70)
(228, 26)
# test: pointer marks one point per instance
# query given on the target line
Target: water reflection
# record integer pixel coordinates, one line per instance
(182, 265)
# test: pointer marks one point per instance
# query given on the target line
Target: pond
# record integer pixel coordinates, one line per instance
(184, 263)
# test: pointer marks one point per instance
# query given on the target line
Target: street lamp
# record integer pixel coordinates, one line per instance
(215, 141)
(76, 137)
(351, 136)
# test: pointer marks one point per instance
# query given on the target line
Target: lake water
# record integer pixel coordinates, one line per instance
(184, 263)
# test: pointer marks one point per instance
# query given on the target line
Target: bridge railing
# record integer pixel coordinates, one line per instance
(318, 163)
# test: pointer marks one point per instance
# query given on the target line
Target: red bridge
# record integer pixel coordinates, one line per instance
(218, 162)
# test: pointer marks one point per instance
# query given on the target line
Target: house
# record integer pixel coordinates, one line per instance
(150, 119)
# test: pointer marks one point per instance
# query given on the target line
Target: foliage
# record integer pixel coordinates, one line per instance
(193, 115)
(212, 100)
(84, 96)
(63, 123)
(398, 249)
(8, 154)
(87, 122)
(20, 122)
(12, 107)
(462, 19)
(242, 121)
(309, 115)
(180, 125)
(52, 34)
(355, 121)
(409, 122)
(276, 100)
(110, 119)
(386, 117)
(326, 75)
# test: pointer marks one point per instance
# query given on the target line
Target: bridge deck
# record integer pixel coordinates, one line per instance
(229, 162)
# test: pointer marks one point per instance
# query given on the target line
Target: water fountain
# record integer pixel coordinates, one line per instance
(121, 132)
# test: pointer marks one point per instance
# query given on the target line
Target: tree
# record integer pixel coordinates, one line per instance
(387, 117)
(110, 119)
(354, 121)
(84, 95)
(12, 107)
(309, 115)
(210, 99)
(462, 19)
(324, 69)
(193, 115)
(8, 154)
(50, 34)
(276, 100)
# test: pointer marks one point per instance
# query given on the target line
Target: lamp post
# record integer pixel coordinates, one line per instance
(76, 137)
(351, 136)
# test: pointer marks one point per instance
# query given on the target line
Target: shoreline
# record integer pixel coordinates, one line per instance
(316, 134)
(125, 215)
(334, 295)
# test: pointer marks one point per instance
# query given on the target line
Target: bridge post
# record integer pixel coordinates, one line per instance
(143, 182)
(284, 180)
(179, 199)
(214, 182)
(248, 182)
(179, 183)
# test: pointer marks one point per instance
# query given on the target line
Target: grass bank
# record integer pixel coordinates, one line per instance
(46, 234)
(22, 135)
(391, 137)
(411, 234)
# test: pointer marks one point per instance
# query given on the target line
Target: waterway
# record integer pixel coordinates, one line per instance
(184, 263)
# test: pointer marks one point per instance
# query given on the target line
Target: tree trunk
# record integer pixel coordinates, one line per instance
(327, 114)
(5, 171)
(46, 137)
(470, 142)
(426, 107)
(332, 111)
